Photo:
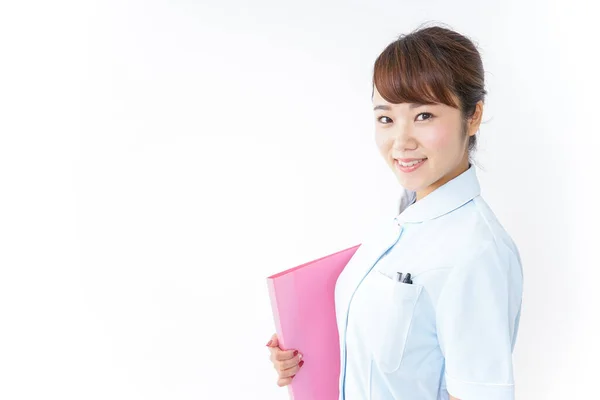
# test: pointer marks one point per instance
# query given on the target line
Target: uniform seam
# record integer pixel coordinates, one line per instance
(498, 243)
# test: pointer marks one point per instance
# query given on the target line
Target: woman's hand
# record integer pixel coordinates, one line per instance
(286, 362)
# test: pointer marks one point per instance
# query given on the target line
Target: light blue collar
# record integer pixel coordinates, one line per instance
(442, 200)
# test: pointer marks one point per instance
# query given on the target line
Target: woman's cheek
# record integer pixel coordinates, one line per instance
(436, 140)
(378, 138)
(382, 143)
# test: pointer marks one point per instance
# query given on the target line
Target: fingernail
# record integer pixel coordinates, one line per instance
(295, 353)
(293, 376)
(301, 363)
(300, 357)
(268, 344)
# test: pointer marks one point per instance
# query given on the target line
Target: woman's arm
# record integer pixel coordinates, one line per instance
(454, 398)
(475, 320)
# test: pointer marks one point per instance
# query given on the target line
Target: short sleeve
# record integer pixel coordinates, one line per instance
(474, 328)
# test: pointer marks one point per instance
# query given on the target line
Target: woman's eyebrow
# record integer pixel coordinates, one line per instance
(410, 106)
(381, 107)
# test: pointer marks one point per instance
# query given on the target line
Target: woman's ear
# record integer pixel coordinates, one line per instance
(475, 119)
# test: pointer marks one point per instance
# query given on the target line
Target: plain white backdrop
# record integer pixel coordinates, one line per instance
(159, 159)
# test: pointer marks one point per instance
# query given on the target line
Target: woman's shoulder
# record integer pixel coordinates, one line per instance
(473, 230)
(477, 222)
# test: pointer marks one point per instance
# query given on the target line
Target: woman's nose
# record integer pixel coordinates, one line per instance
(402, 139)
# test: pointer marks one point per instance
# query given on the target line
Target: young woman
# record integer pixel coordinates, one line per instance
(446, 328)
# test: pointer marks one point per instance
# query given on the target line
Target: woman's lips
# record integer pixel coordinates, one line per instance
(411, 168)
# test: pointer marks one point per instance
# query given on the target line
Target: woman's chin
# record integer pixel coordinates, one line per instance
(409, 184)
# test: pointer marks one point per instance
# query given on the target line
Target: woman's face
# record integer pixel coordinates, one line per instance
(432, 135)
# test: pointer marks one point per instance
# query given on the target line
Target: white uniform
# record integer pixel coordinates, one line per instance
(454, 328)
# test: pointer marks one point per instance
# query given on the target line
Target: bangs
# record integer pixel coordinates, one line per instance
(408, 73)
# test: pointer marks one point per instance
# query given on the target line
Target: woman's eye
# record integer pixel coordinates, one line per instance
(379, 119)
(430, 115)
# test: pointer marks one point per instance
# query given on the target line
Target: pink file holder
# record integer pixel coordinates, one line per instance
(303, 305)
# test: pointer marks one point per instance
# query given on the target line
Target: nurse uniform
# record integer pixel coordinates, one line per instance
(454, 328)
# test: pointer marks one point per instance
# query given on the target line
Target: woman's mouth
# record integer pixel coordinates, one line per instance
(410, 166)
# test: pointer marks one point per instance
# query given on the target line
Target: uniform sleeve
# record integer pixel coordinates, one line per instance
(474, 328)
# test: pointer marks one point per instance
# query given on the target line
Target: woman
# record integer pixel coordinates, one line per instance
(447, 327)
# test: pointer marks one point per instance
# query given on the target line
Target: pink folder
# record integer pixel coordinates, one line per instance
(303, 305)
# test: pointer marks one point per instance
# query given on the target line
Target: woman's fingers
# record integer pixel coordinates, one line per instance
(274, 342)
(283, 355)
(287, 364)
(290, 372)
(284, 382)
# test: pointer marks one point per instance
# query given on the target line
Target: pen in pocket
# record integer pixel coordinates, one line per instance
(406, 277)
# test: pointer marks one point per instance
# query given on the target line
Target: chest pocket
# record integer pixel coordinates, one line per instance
(395, 316)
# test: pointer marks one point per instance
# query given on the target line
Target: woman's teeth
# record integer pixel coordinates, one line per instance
(410, 164)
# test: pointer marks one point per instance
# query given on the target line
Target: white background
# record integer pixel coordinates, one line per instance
(159, 159)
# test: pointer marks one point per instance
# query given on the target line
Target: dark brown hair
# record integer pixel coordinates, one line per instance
(432, 65)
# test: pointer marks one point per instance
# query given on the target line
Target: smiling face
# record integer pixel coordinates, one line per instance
(432, 136)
